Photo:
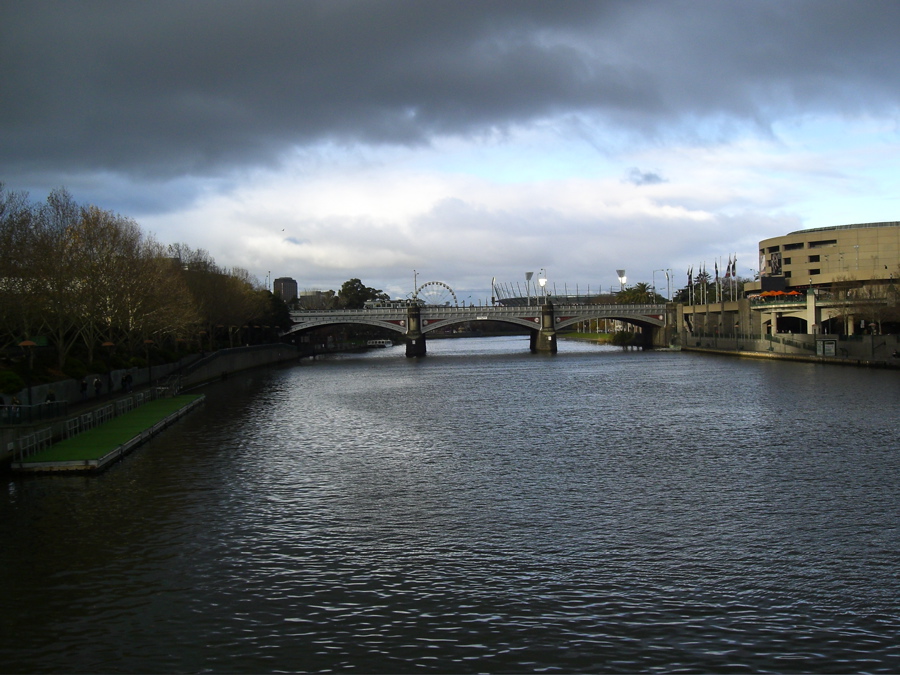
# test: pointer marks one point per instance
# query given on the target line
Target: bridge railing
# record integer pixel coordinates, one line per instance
(515, 309)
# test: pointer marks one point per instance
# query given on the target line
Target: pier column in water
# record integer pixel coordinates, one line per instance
(544, 340)
(415, 339)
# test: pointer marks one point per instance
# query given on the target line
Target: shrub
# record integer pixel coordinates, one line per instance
(623, 338)
(120, 362)
(75, 368)
(10, 383)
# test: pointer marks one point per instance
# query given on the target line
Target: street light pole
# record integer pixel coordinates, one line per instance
(147, 344)
(28, 346)
(108, 347)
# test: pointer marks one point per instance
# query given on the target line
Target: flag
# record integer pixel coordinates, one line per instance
(691, 275)
(717, 271)
(728, 269)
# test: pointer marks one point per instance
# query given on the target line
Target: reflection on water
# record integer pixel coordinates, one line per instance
(481, 509)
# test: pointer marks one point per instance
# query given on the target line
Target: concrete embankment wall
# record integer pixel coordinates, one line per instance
(219, 364)
(190, 371)
(875, 351)
(194, 369)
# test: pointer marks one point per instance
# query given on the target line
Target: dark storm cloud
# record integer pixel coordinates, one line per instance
(193, 88)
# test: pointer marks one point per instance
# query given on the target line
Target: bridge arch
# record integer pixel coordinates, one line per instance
(432, 325)
(398, 327)
(541, 321)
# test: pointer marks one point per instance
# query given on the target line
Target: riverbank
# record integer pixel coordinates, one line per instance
(864, 351)
(95, 449)
(29, 429)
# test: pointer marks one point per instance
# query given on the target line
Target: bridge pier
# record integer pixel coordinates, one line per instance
(544, 339)
(415, 346)
(415, 339)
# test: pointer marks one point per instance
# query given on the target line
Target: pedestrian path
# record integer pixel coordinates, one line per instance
(96, 448)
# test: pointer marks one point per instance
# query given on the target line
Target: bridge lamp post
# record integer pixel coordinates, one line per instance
(543, 283)
(528, 276)
(622, 279)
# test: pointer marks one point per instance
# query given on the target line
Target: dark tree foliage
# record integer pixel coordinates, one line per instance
(80, 280)
(354, 293)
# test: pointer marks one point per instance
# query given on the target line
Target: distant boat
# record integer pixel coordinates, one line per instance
(379, 343)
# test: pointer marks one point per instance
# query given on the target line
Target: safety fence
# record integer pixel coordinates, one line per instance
(31, 444)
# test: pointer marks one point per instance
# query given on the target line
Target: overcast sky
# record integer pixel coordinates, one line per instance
(464, 140)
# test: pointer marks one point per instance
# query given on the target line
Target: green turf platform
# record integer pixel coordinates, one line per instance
(95, 448)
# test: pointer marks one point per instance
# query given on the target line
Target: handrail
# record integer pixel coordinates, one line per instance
(376, 311)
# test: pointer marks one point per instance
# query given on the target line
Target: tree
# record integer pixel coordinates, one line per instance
(106, 256)
(353, 294)
(639, 294)
(623, 338)
(154, 299)
(19, 313)
(843, 290)
(61, 283)
(877, 304)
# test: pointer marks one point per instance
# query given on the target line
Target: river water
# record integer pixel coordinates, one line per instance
(483, 509)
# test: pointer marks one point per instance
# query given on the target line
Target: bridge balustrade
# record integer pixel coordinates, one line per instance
(542, 320)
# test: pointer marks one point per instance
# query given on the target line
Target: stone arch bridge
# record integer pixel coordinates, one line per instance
(542, 321)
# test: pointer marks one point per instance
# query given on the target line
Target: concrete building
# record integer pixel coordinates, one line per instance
(824, 281)
(868, 253)
(286, 288)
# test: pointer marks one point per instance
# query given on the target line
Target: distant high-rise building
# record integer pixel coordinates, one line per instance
(286, 288)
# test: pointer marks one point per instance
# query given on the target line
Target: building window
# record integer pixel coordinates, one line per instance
(787, 261)
(823, 242)
(787, 275)
(813, 258)
(814, 271)
(793, 247)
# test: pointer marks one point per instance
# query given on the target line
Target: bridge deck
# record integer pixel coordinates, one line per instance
(435, 317)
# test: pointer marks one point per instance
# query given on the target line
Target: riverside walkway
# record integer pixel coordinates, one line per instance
(94, 449)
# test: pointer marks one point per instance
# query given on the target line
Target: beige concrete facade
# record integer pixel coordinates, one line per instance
(867, 252)
(811, 313)
(835, 280)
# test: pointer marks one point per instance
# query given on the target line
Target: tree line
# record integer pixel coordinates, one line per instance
(87, 286)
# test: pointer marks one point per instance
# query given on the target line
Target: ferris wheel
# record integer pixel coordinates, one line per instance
(436, 293)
